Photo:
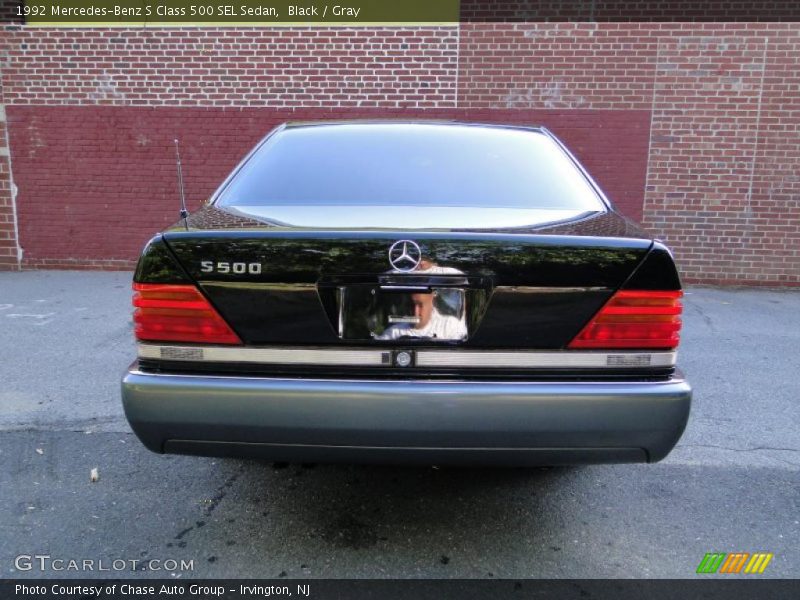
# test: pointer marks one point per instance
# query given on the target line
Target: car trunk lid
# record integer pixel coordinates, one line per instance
(332, 287)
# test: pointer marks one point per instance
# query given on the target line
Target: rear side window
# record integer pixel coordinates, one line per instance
(411, 165)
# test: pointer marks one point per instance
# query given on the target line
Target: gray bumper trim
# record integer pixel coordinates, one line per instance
(316, 419)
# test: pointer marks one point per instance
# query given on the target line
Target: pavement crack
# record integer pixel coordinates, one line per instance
(211, 505)
(755, 449)
(222, 491)
(706, 318)
(78, 426)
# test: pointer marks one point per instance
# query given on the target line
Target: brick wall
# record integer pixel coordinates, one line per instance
(282, 67)
(721, 186)
(691, 128)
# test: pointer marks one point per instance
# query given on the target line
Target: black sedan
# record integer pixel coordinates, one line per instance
(413, 292)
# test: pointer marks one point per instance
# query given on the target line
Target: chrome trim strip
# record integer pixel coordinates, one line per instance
(535, 360)
(272, 286)
(284, 356)
(424, 357)
(528, 289)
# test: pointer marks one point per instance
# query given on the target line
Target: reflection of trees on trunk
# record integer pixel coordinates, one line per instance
(556, 263)
(156, 265)
(292, 258)
(476, 303)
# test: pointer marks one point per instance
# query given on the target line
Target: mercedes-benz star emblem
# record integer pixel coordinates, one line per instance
(405, 255)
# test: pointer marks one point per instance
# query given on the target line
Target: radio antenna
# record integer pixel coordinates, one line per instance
(184, 212)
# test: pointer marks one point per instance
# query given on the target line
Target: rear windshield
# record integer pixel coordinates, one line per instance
(411, 165)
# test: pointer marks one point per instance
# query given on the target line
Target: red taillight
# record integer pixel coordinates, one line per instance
(177, 313)
(634, 319)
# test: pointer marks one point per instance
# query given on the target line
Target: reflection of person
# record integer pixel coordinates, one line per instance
(430, 323)
(430, 268)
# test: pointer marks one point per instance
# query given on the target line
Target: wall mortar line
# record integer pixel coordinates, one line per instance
(458, 64)
(749, 208)
(650, 133)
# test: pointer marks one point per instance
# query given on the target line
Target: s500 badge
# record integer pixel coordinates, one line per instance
(237, 268)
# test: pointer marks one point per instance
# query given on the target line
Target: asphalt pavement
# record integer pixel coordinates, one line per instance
(731, 485)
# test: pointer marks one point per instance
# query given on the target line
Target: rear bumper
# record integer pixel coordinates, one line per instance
(428, 422)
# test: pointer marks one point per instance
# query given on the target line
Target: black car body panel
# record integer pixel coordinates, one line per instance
(300, 272)
(314, 308)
